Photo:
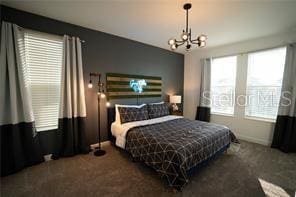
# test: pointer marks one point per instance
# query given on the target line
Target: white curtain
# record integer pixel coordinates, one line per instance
(15, 93)
(204, 108)
(205, 86)
(284, 137)
(288, 102)
(72, 100)
(71, 129)
(19, 141)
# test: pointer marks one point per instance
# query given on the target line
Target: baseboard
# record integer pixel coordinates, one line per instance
(254, 140)
(105, 143)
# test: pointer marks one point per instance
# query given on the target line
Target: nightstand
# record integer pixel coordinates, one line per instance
(177, 113)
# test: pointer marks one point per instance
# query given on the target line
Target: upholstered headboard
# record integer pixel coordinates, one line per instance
(110, 120)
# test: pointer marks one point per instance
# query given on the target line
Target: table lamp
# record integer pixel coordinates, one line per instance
(175, 99)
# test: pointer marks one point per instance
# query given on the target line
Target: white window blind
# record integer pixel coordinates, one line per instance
(264, 81)
(223, 77)
(43, 55)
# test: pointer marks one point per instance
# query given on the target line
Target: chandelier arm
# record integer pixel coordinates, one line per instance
(181, 42)
(195, 42)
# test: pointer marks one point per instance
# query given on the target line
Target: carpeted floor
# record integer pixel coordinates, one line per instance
(254, 171)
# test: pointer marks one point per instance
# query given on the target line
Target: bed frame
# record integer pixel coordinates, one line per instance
(110, 120)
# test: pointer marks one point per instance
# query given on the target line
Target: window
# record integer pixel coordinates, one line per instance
(43, 55)
(223, 76)
(264, 81)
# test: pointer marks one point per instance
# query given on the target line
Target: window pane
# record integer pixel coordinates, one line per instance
(223, 76)
(44, 64)
(265, 74)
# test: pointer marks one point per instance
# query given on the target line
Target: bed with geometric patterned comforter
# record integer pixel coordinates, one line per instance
(174, 147)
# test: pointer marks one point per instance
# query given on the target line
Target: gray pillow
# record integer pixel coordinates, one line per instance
(158, 110)
(130, 114)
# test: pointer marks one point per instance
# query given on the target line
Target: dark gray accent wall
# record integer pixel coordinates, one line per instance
(104, 53)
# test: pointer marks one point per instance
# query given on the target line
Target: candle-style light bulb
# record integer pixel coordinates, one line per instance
(184, 36)
(172, 41)
(103, 95)
(90, 85)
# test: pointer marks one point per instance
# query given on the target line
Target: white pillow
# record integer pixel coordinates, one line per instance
(159, 103)
(117, 115)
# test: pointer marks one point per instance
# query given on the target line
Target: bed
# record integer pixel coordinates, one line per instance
(171, 145)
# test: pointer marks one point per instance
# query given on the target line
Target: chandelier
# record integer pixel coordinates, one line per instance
(186, 36)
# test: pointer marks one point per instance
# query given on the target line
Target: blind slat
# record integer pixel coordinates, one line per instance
(223, 77)
(43, 55)
(263, 91)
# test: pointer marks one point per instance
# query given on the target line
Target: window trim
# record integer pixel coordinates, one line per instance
(223, 114)
(260, 119)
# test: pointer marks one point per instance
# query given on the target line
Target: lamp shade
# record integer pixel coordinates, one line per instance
(175, 99)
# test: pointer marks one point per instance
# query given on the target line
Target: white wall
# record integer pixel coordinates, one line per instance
(250, 130)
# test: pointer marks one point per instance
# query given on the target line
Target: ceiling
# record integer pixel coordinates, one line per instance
(154, 22)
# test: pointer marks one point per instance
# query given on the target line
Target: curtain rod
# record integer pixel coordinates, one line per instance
(254, 51)
(58, 35)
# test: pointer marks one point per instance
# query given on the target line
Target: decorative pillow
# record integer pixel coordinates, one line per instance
(158, 110)
(117, 115)
(128, 114)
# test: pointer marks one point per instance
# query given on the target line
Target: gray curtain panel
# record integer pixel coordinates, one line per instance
(284, 137)
(71, 129)
(204, 109)
(19, 141)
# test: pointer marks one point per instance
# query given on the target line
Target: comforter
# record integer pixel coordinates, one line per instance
(174, 147)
